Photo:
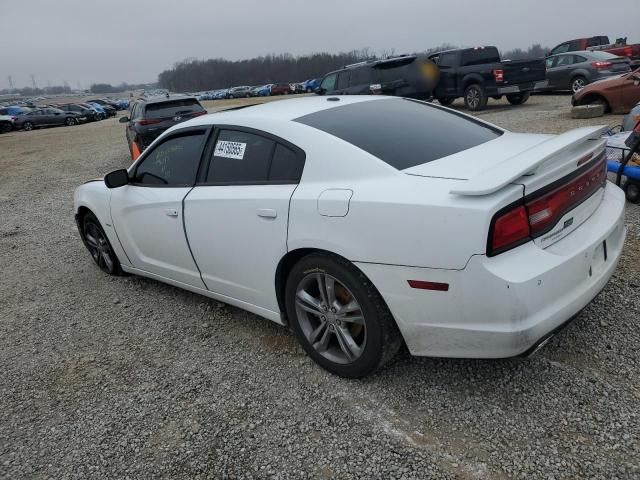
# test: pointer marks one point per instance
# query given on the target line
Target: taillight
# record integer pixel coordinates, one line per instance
(149, 121)
(509, 230)
(498, 75)
(628, 51)
(600, 65)
(536, 215)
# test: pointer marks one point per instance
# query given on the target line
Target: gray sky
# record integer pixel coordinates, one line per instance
(90, 41)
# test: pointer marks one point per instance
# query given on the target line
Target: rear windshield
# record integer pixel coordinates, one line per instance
(168, 109)
(401, 132)
(479, 56)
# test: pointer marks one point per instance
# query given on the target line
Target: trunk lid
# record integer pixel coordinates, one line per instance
(544, 166)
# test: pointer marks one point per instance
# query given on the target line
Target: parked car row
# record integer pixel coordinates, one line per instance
(246, 91)
(23, 117)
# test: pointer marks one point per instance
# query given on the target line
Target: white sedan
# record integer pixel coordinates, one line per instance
(364, 222)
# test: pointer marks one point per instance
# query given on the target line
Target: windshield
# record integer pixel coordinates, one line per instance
(402, 132)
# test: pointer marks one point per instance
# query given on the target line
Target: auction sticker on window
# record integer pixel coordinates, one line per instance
(228, 149)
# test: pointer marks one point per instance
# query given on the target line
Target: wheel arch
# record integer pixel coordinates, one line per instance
(470, 80)
(591, 98)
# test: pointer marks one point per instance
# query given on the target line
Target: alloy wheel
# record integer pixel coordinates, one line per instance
(577, 85)
(99, 247)
(473, 98)
(331, 318)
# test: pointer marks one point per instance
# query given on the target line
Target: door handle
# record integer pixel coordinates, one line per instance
(267, 213)
(171, 212)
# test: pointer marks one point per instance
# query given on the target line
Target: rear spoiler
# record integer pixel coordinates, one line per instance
(500, 175)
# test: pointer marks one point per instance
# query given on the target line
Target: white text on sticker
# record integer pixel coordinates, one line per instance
(228, 149)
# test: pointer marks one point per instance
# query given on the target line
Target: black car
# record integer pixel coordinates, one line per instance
(89, 114)
(411, 76)
(111, 109)
(479, 73)
(150, 116)
(45, 117)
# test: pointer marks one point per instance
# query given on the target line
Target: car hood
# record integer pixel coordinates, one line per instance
(473, 161)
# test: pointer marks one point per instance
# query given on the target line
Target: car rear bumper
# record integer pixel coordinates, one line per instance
(505, 305)
(525, 87)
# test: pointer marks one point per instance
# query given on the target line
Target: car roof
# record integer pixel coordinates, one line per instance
(284, 110)
(586, 53)
(165, 98)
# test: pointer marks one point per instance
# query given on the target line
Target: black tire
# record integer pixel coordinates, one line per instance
(497, 97)
(475, 97)
(632, 191)
(5, 127)
(27, 126)
(578, 83)
(69, 122)
(518, 98)
(446, 101)
(380, 334)
(99, 246)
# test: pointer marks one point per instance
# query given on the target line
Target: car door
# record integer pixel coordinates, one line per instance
(328, 84)
(38, 117)
(627, 95)
(147, 213)
(562, 69)
(553, 73)
(56, 117)
(447, 85)
(236, 218)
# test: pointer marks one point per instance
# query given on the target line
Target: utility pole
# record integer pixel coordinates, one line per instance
(10, 83)
(33, 81)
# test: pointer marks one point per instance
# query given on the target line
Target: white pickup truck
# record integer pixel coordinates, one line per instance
(6, 123)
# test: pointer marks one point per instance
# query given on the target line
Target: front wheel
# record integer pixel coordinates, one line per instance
(518, 98)
(69, 122)
(27, 126)
(578, 83)
(98, 245)
(475, 97)
(339, 317)
(446, 101)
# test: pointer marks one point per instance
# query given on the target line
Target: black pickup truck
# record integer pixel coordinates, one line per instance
(478, 73)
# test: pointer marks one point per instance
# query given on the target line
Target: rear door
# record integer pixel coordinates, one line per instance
(342, 84)
(147, 213)
(448, 84)
(236, 218)
(561, 72)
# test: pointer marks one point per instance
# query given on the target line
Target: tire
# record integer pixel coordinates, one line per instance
(27, 126)
(475, 97)
(446, 101)
(5, 127)
(497, 97)
(518, 98)
(632, 191)
(69, 122)
(578, 83)
(352, 344)
(98, 245)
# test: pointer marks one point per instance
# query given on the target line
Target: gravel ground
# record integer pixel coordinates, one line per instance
(128, 378)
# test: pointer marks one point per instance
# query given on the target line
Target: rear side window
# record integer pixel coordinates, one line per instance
(173, 107)
(245, 158)
(240, 157)
(401, 132)
(173, 163)
(479, 56)
(343, 80)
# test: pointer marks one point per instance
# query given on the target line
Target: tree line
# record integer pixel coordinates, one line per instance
(193, 75)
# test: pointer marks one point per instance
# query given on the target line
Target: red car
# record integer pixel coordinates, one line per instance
(619, 94)
(601, 43)
(281, 89)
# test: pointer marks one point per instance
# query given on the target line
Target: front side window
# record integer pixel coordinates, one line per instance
(173, 163)
(329, 83)
(564, 60)
(343, 80)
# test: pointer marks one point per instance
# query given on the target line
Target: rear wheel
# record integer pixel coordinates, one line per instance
(632, 191)
(475, 97)
(98, 245)
(28, 126)
(69, 122)
(518, 98)
(446, 101)
(339, 317)
(578, 83)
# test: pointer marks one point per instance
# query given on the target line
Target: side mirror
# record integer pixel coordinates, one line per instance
(124, 119)
(320, 91)
(117, 178)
